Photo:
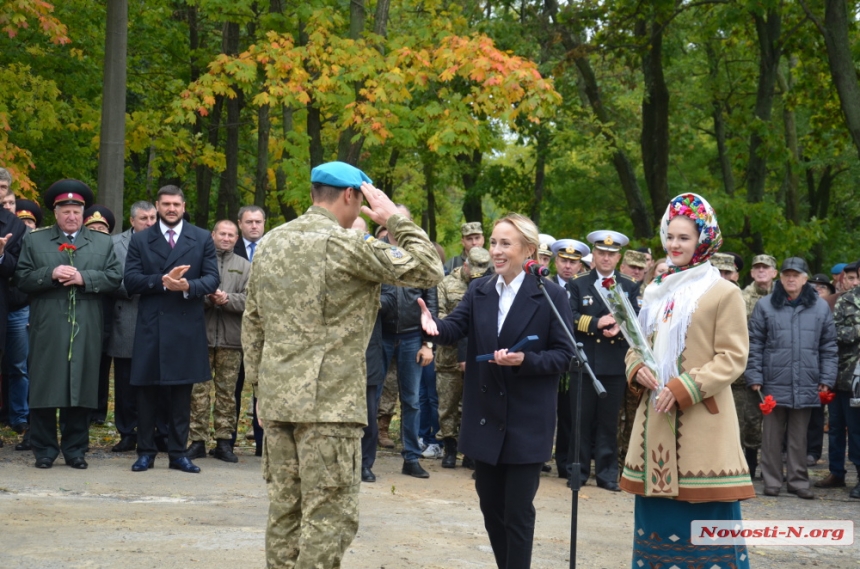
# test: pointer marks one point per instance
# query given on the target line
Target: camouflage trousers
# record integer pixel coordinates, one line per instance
(225, 364)
(449, 387)
(390, 391)
(749, 415)
(312, 478)
(625, 424)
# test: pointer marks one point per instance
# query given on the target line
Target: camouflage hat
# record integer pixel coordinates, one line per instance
(764, 260)
(724, 262)
(471, 228)
(479, 261)
(635, 259)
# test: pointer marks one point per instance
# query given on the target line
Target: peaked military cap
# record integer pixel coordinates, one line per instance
(570, 249)
(764, 260)
(545, 247)
(339, 175)
(606, 240)
(68, 192)
(99, 214)
(28, 209)
(724, 262)
(471, 228)
(479, 261)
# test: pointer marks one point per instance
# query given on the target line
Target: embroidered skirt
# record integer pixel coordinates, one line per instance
(661, 535)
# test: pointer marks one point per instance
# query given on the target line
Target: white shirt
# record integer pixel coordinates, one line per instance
(602, 276)
(176, 231)
(507, 294)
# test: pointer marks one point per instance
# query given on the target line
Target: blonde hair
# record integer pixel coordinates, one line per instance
(527, 229)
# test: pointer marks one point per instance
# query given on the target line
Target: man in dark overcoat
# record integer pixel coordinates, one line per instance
(605, 347)
(173, 266)
(66, 289)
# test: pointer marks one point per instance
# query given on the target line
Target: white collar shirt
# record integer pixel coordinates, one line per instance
(507, 294)
(176, 230)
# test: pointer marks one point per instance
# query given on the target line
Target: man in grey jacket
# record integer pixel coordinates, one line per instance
(792, 357)
(121, 339)
(223, 313)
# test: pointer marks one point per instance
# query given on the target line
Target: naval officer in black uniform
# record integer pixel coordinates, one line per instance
(605, 348)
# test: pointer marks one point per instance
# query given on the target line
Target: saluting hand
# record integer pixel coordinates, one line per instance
(427, 322)
(381, 207)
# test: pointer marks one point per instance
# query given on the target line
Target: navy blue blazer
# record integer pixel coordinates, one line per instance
(509, 412)
(170, 346)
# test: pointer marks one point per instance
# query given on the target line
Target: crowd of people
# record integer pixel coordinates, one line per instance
(745, 379)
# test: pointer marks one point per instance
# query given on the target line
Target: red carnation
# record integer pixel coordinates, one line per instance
(608, 283)
(67, 247)
(826, 396)
(767, 404)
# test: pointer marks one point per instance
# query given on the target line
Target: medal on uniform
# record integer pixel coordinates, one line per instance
(587, 300)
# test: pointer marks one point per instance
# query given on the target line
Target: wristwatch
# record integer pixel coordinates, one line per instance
(428, 345)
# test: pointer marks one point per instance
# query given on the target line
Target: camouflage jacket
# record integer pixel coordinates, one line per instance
(450, 293)
(752, 294)
(846, 316)
(312, 300)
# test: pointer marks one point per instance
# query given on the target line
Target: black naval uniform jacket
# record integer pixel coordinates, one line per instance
(605, 355)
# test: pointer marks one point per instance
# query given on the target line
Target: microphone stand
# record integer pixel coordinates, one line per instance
(578, 363)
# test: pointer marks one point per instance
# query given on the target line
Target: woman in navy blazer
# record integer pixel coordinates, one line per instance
(509, 403)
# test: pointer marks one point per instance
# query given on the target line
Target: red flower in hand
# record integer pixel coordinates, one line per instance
(608, 283)
(67, 247)
(767, 404)
(826, 396)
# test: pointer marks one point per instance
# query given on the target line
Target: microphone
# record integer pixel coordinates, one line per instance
(535, 268)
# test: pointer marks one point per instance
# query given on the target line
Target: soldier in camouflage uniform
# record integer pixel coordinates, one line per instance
(845, 419)
(450, 360)
(312, 301)
(763, 272)
(223, 313)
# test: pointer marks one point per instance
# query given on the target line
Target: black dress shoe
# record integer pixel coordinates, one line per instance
(611, 486)
(804, 493)
(125, 444)
(77, 462)
(773, 492)
(184, 465)
(44, 462)
(546, 468)
(367, 475)
(144, 462)
(855, 493)
(25, 442)
(414, 469)
(468, 462)
(197, 449)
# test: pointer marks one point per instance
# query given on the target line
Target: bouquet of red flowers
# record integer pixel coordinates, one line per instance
(826, 396)
(767, 403)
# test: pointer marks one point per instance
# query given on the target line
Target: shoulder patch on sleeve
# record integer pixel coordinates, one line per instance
(397, 256)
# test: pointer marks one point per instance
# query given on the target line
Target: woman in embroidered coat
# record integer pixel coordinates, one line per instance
(685, 461)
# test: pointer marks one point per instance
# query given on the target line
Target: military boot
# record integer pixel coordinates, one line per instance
(224, 452)
(385, 438)
(197, 449)
(450, 458)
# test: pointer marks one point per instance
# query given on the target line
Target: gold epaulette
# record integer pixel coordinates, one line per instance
(626, 277)
(577, 275)
(40, 229)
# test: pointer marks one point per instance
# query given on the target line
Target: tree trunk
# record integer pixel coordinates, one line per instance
(203, 173)
(228, 196)
(791, 181)
(261, 185)
(429, 217)
(638, 211)
(287, 210)
(470, 170)
(654, 141)
(720, 124)
(348, 150)
(112, 131)
(385, 182)
(541, 152)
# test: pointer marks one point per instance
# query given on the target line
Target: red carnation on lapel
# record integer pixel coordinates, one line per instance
(67, 247)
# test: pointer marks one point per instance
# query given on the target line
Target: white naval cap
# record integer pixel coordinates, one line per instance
(608, 240)
(570, 249)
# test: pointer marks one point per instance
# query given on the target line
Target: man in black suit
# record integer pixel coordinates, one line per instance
(252, 225)
(173, 266)
(605, 348)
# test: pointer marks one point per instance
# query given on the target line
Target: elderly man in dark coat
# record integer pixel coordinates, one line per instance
(66, 269)
(173, 266)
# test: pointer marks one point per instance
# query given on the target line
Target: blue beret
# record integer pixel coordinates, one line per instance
(339, 175)
(837, 268)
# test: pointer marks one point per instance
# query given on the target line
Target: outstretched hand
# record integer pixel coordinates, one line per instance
(427, 322)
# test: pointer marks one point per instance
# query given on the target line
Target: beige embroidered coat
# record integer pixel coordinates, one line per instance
(702, 460)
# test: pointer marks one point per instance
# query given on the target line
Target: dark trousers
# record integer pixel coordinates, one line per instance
(255, 424)
(100, 413)
(599, 428)
(844, 429)
(125, 398)
(506, 493)
(75, 432)
(371, 431)
(178, 413)
(815, 433)
(564, 424)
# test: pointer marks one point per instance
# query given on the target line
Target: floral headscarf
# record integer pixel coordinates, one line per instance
(697, 208)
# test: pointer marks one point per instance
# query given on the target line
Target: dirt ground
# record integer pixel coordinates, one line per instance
(108, 516)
